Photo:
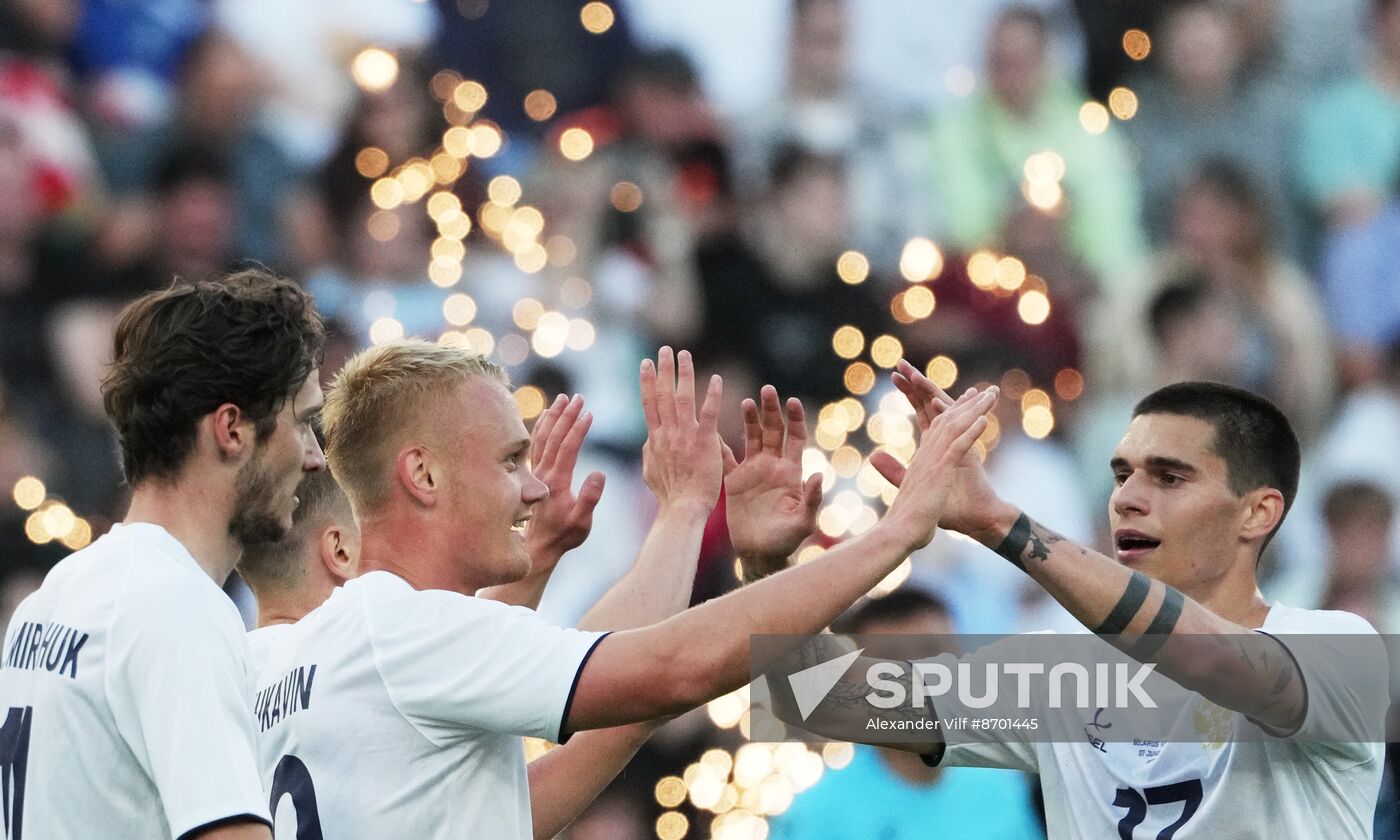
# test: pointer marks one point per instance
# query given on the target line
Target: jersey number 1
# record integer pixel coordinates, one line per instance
(293, 779)
(1188, 792)
(14, 758)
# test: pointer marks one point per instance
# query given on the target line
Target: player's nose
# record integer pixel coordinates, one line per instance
(533, 490)
(313, 458)
(1130, 496)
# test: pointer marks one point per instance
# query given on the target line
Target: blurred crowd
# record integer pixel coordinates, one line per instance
(1082, 200)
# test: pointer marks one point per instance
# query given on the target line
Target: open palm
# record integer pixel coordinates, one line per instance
(770, 509)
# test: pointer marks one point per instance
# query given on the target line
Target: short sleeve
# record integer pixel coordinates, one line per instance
(1346, 674)
(452, 663)
(178, 687)
(971, 746)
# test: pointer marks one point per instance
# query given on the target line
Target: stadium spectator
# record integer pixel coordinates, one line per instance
(188, 235)
(128, 56)
(304, 47)
(1199, 101)
(1223, 231)
(772, 295)
(916, 801)
(1348, 147)
(980, 152)
(214, 111)
(1360, 578)
(1362, 298)
(824, 108)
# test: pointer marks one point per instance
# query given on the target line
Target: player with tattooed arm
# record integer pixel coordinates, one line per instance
(1204, 474)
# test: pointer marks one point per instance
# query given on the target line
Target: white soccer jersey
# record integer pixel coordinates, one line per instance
(1226, 788)
(393, 712)
(125, 694)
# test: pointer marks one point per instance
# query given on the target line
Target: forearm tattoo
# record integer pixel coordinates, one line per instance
(1027, 540)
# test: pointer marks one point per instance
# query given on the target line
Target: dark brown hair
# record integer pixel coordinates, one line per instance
(250, 339)
(1252, 435)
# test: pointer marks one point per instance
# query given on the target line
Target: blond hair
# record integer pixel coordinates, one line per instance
(379, 398)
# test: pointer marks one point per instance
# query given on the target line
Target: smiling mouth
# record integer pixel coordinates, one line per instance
(519, 525)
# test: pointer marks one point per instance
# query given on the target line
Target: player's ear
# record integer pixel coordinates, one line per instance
(339, 552)
(1262, 510)
(415, 470)
(230, 429)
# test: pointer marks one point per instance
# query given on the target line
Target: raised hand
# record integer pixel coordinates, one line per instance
(928, 485)
(681, 461)
(561, 521)
(770, 509)
(971, 496)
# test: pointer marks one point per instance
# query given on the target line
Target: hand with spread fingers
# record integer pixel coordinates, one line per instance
(681, 461)
(936, 478)
(562, 521)
(971, 495)
(770, 509)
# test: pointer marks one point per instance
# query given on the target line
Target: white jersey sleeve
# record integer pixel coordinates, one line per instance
(178, 685)
(963, 715)
(451, 663)
(1342, 696)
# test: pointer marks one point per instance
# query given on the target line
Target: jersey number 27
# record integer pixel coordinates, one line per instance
(1188, 793)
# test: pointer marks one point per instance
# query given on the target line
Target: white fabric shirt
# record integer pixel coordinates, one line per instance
(393, 712)
(126, 671)
(1187, 790)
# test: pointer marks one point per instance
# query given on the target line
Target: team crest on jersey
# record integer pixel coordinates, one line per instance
(1213, 723)
(1094, 727)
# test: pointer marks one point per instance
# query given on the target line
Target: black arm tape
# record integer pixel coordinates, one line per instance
(1015, 542)
(1127, 607)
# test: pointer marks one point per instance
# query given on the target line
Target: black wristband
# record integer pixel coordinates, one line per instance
(1015, 542)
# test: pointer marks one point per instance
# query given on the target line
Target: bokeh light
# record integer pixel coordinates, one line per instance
(374, 70)
(29, 492)
(848, 341)
(1137, 44)
(530, 400)
(920, 260)
(626, 196)
(1123, 103)
(1094, 117)
(540, 105)
(575, 144)
(597, 17)
(853, 267)
(943, 371)
(469, 96)
(1033, 307)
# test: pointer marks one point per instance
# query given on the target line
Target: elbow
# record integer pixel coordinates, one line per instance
(693, 676)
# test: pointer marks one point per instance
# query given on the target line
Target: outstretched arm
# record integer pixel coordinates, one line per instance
(1226, 662)
(681, 463)
(703, 652)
